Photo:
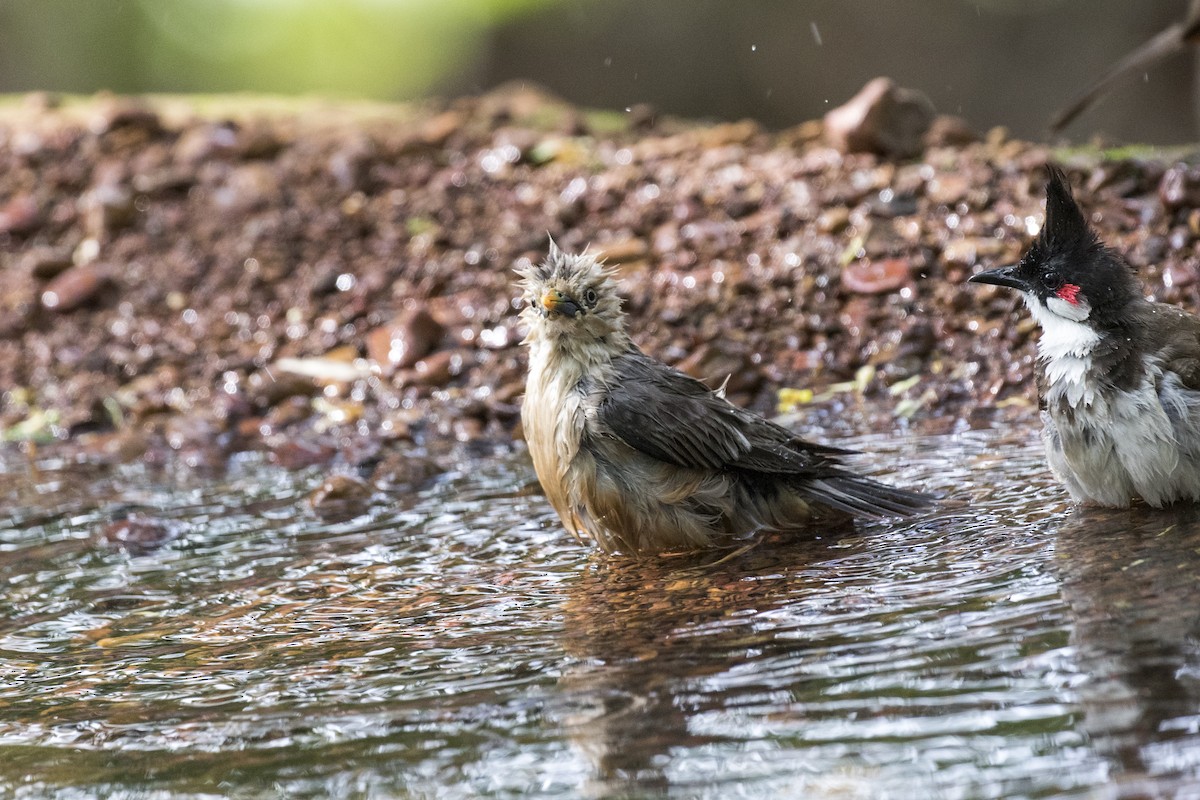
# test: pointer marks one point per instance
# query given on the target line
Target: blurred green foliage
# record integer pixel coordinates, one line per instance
(363, 48)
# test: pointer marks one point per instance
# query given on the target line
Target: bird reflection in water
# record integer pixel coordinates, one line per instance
(1132, 582)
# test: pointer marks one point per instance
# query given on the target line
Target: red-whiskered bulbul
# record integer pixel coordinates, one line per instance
(1119, 374)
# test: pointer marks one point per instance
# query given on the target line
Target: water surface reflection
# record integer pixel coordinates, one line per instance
(452, 641)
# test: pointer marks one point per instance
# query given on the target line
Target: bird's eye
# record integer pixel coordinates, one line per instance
(589, 297)
(1050, 278)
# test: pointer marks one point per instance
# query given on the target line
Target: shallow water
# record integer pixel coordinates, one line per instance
(457, 642)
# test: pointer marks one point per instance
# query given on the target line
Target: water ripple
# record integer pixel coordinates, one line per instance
(455, 642)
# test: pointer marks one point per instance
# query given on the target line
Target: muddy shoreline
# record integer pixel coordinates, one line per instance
(184, 279)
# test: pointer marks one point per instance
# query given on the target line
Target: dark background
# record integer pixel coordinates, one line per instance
(994, 62)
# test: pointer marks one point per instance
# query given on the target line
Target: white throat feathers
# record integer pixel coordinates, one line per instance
(1066, 347)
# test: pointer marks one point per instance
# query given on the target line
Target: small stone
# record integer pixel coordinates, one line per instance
(438, 368)
(106, 208)
(19, 215)
(404, 341)
(875, 277)
(267, 388)
(948, 188)
(75, 287)
(351, 163)
(125, 113)
(206, 142)
(968, 252)
(882, 118)
(950, 131)
(833, 220)
(249, 188)
(438, 129)
(289, 411)
(1178, 275)
(340, 494)
(295, 454)
(1180, 187)
(139, 535)
(624, 250)
(44, 263)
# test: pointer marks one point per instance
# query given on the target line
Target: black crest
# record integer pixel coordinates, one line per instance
(1066, 230)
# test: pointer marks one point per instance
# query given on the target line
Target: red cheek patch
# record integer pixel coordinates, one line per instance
(1070, 293)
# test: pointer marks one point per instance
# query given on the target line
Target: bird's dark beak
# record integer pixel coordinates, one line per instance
(555, 300)
(1001, 276)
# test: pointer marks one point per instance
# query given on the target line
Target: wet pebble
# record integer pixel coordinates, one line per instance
(974, 250)
(437, 129)
(833, 220)
(340, 496)
(267, 388)
(1178, 275)
(350, 164)
(948, 188)
(44, 263)
(126, 113)
(875, 277)
(1180, 187)
(106, 208)
(204, 142)
(292, 453)
(439, 368)
(75, 287)
(248, 188)
(139, 535)
(19, 215)
(624, 250)
(947, 130)
(404, 341)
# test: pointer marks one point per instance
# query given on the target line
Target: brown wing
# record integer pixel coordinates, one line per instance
(1178, 340)
(677, 419)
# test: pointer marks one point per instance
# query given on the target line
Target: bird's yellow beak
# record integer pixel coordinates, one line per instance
(554, 300)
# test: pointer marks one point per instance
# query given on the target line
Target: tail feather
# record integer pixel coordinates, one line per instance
(858, 495)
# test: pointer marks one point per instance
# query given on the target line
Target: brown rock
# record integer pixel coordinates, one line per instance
(875, 277)
(436, 130)
(624, 250)
(1180, 187)
(950, 131)
(439, 368)
(948, 188)
(351, 163)
(268, 388)
(340, 496)
(833, 220)
(968, 252)
(19, 215)
(250, 187)
(205, 142)
(139, 535)
(106, 208)
(75, 287)
(125, 113)
(298, 454)
(404, 341)
(882, 118)
(44, 263)
(1179, 275)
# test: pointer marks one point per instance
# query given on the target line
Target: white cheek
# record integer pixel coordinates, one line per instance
(1076, 312)
(1063, 336)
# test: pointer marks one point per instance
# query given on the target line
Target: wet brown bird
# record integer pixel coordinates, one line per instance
(1166, 42)
(643, 458)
